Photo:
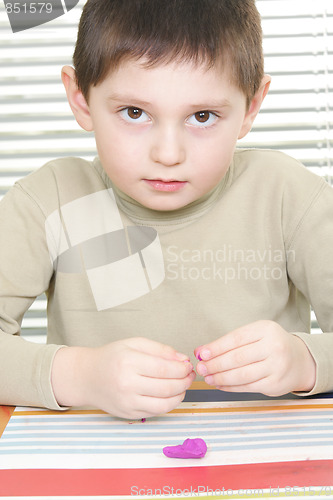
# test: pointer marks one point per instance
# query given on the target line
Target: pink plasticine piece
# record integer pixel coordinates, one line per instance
(198, 356)
(191, 448)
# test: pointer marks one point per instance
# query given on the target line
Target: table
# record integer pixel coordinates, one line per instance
(258, 447)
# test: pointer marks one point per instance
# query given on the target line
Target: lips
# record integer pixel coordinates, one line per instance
(165, 184)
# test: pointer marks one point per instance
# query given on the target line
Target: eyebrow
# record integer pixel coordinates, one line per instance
(211, 104)
(127, 99)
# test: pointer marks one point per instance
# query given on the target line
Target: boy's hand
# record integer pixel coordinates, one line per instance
(132, 378)
(260, 357)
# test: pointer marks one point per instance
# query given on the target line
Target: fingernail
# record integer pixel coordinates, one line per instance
(205, 354)
(182, 357)
(197, 353)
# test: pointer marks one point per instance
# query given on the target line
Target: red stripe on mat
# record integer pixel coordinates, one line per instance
(89, 482)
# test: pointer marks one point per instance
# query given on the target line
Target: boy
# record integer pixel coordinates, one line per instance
(171, 241)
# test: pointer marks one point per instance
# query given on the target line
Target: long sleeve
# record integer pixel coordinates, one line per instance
(25, 272)
(310, 267)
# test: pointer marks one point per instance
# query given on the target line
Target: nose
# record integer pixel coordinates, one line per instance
(168, 146)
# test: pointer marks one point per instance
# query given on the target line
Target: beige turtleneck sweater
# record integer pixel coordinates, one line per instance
(259, 246)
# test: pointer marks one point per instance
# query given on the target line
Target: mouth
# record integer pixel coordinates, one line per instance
(167, 185)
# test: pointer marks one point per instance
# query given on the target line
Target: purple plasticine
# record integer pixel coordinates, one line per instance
(198, 356)
(191, 448)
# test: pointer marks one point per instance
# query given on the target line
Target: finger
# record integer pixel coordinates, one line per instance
(155, 348)
(264, 386)
(151, 406)
(245, 375)
(239, 388)
(160, 368)
(236, 358)
(165, 388)
(237, 338)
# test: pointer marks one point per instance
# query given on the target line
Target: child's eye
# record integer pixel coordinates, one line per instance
(132, 114)
(202, 119)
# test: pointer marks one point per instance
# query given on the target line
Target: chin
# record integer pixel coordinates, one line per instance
(165, 207)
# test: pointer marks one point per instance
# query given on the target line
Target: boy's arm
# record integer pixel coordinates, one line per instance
(312, 272)
(25, 272)
(130, 378)
(259, 357)
(262, 356)
(25, 373)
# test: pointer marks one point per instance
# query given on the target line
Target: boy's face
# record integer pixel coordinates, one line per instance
(166, 135)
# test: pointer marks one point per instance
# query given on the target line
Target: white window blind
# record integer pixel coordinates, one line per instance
(36, 123)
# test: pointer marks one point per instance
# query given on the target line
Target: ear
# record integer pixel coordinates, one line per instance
(76, 100)
(255, 106)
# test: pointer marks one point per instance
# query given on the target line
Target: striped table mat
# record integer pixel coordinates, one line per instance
(266, 447)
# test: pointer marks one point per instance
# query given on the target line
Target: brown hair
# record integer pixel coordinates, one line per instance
(162, 31)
